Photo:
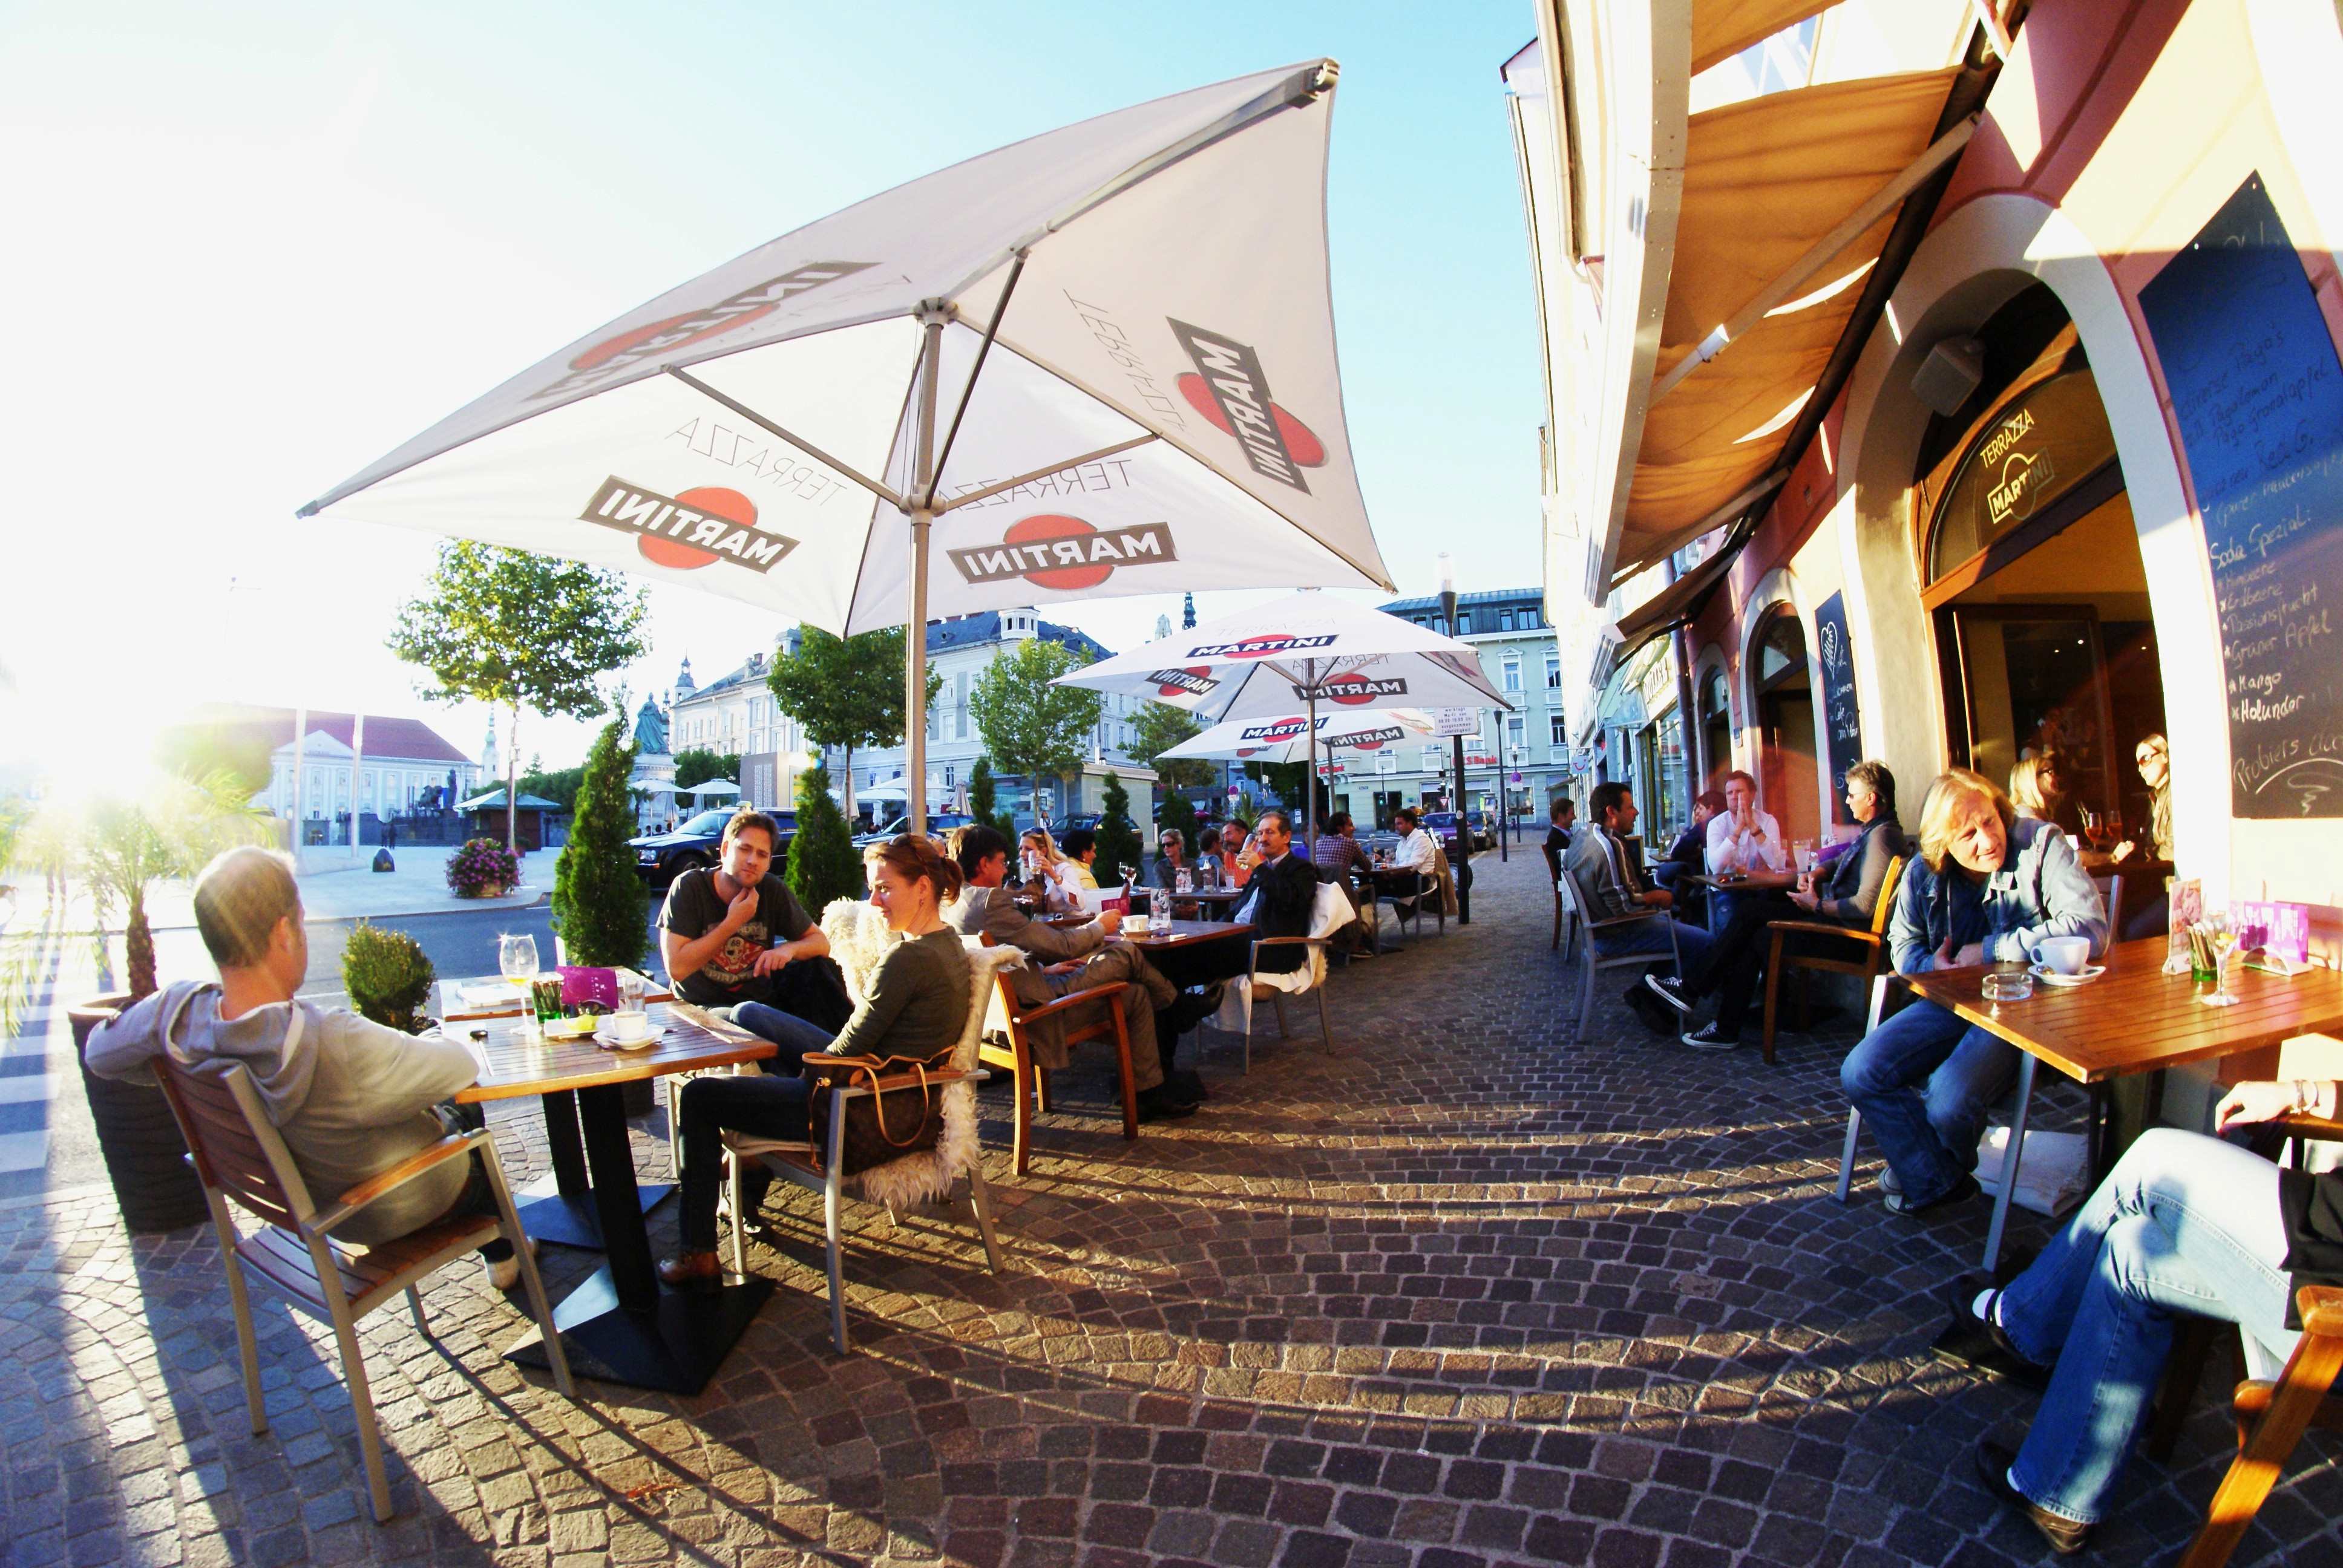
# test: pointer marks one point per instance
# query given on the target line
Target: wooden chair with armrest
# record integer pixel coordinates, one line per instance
(1863, 952)
(238, 1155)
(2271, 1416)
(1012, 1049)
(1593, 963)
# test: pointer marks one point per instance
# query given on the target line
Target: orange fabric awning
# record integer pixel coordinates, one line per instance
(1765, 181)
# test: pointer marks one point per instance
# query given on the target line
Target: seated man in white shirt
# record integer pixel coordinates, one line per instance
(1415, 851)
(1742, 838)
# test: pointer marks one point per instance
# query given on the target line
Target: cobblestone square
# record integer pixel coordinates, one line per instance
(1452, 1294)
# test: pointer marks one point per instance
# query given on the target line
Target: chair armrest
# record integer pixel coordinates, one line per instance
(2308, 1126)
(453, 1146)
(1111, 995)
(1289, 942)
(2322, 1310)
(936, 1079)
(1825, 928)
(1651, 914)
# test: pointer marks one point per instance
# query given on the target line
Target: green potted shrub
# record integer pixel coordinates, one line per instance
(822, 861)
(482, 869)
(388, 978)
(598, 896)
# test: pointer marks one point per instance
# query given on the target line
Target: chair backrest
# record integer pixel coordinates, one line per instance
(236, 1151)
(2111, 889)
(1882, 911)
(1553, 862)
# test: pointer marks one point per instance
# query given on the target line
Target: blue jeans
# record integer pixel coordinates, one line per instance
(1651, 937)
(793, 1034)
(2184, 1223)
(1923, 1081)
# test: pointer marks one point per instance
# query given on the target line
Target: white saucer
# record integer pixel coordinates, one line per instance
(609, 1041)
(2051, 977)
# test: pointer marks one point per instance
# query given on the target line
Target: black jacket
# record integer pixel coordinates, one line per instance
(1282, 896)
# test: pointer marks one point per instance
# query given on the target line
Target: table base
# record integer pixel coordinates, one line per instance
(568, 1219)
(674, 1347)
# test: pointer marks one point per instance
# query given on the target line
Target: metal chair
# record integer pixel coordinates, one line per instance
(1328, 911)
(237, 1154)
(1405, 908)
(1595, 963)
(2111, 888)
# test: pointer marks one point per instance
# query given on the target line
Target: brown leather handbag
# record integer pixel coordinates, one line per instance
(893, 1119)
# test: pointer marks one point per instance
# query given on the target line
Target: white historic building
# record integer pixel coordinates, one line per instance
(736, 712)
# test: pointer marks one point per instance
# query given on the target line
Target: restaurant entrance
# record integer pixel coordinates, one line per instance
(1785, 724)
(2045, 639)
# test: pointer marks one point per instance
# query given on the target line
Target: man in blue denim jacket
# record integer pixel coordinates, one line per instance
(1986, 887)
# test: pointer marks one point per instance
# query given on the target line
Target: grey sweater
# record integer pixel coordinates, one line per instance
(917, 1004)
(351, 1100)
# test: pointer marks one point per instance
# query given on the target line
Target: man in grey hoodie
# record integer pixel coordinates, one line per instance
(350, 1097)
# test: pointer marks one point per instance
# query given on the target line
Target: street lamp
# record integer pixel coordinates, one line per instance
(1463, 817)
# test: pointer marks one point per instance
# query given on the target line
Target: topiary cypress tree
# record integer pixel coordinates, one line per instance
(598, 897)
(1118, 840)
(980, 797)
(823, 865)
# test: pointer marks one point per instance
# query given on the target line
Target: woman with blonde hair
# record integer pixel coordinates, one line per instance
(1987, 885)
(917, 1005)
(1041, 859)
(2026, 790)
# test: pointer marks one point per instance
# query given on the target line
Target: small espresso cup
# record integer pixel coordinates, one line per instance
(1137, 925)
(631, 1026)
(2062, 955)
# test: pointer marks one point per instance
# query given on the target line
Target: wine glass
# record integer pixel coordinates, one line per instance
(2094, 827)
(516, 958)
(1802, 854)
(2222, 933)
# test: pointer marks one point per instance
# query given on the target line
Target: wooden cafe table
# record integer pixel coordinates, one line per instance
(1196, 952)
(624, 1325)
(558, 1207)
(2133, 1019)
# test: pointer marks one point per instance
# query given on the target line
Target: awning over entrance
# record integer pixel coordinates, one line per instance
(1789, 200)
(1678, 604)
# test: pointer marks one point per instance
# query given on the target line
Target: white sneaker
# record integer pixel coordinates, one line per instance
(1706, 1038)
(504, 1274)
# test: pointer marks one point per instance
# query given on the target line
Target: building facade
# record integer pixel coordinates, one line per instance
(1522, 757)
(323, 765)
(736, 712)
(2045, 459)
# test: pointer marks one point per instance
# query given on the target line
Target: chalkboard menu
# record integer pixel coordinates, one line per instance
(2257, 392)
(1841, 723)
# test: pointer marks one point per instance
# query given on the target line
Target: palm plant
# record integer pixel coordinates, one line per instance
(121, 846)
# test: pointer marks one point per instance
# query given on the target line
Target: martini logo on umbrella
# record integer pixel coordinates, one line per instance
(1270, 734)
(1055, 551)
(1350, 690)
(690, 530)
(1195, 682)
(1230, 389)
(1369, 739)
(612, 357)
(1267, 644)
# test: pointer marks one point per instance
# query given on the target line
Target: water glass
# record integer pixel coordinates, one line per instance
(1802, 854)
(630, 992)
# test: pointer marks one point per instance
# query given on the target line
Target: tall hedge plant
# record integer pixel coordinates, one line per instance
(822, 864)
(598, 897)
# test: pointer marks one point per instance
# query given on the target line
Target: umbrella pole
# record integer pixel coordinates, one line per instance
(915, 632)
(1309, 780)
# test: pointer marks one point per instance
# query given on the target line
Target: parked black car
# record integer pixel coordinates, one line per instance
(939, 824)
(1443, 825)
(660, 858)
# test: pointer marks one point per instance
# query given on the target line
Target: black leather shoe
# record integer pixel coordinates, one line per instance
(1964, 1189)
(1647, 1010)
(2067, 1536)
(1185, 1085)
(1156, 1105)
(1982, 1343)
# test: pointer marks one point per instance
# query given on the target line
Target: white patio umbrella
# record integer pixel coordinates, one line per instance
(1098, 361)
(714, 787)
(1305, 648)
(1287, 740)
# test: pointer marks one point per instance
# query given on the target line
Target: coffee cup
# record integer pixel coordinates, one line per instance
(630, 1026)
(1136, 925)
(2063, 955)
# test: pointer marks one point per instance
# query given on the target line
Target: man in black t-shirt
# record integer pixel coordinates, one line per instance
(729, 934)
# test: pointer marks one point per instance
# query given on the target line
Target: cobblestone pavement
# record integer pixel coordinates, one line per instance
(1452, 1294)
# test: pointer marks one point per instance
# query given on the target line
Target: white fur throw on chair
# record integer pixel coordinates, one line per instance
(858, 940)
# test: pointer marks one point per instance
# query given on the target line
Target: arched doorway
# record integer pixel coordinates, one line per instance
(2033, 577)
(1715, 731)
(1785, 722)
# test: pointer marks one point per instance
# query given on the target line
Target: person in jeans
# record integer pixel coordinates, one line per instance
(918, 1006)
(729, 933)
(1847, 893)
(351, 1098)
(1610, 887)
(2184, 1225)
(1986, 887)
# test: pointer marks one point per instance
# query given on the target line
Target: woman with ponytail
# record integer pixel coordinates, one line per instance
(917, 1005)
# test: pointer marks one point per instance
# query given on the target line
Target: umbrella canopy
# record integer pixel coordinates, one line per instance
(1099, 361)
(1305, 650)
(714, 787)
(1287, 740)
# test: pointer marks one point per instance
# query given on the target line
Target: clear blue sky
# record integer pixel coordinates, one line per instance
(255, 246)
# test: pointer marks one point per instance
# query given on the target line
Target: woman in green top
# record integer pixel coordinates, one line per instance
(917, 1006)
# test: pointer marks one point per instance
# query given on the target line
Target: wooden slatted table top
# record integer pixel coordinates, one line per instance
(2137, 1019)
(514, 997)
(517, 1062)
(1184, 933)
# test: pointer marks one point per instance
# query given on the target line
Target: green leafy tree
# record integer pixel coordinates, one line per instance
(558, 785)
(1029, 726)
(121, 846)
(597, 898)
(697, 764)
(846, 692)
(980, 798)
(516, 630)
(822, 864)
(1156, 728)
(207, 746)
(1118, 839)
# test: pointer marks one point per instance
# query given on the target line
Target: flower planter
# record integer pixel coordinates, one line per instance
(145, 1158)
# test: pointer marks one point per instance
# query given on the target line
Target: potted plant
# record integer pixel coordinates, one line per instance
(388, 978)
(119, 848)
(482, 869)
